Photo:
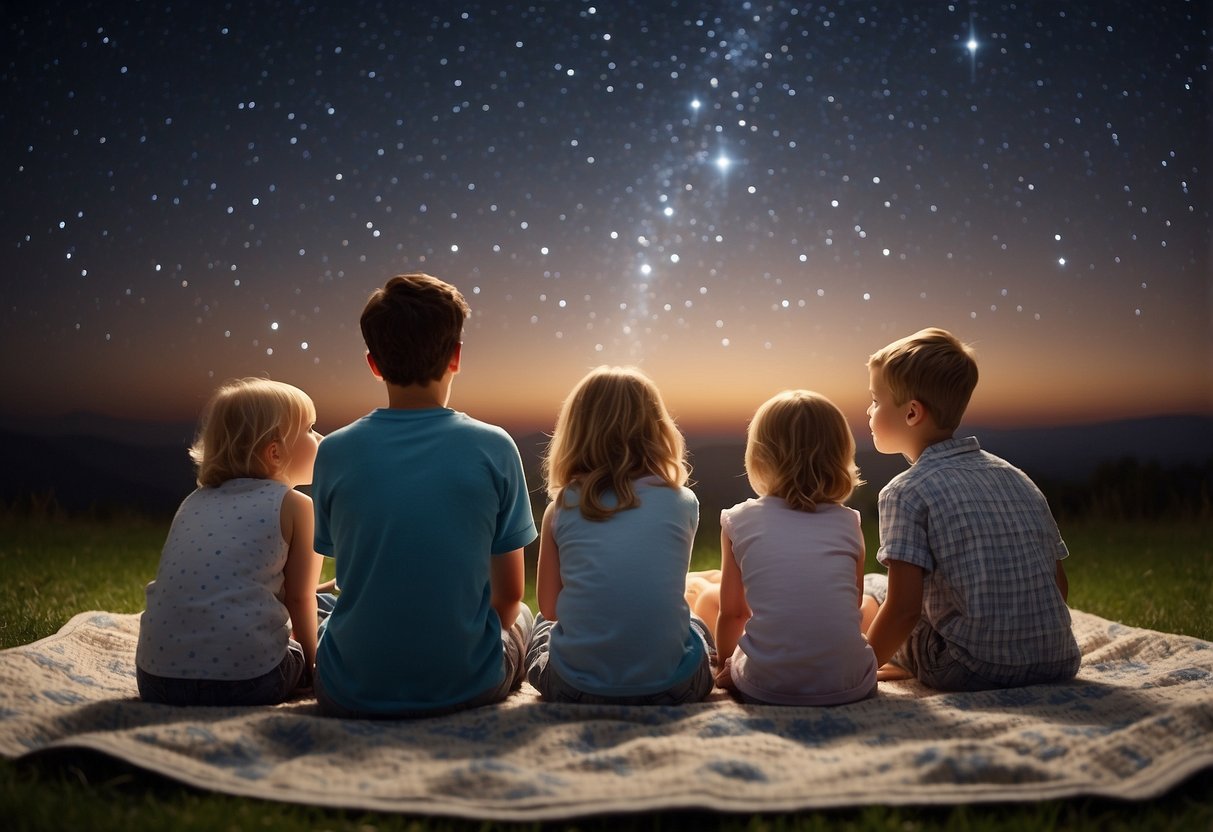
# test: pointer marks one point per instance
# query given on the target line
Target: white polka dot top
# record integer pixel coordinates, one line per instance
(215, 609)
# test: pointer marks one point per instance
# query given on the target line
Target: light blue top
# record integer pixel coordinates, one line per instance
(411, 504)
(623, 626)
(215, 609)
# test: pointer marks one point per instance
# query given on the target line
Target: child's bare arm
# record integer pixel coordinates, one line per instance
(508, 580)
(1063, 583)
(899, 613)
(867, 604)
(547, 574)
(734, 611)
(302, 571)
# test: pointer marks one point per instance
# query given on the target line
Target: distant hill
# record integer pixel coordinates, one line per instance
(84, 473)
(81, 423)
(85, 462)
(1072, 452)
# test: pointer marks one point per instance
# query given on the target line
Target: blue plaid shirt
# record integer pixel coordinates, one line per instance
(983, 534)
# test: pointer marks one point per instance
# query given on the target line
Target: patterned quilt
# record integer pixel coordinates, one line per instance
(1136, 721)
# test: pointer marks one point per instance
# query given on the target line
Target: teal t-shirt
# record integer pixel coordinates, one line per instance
(412, 504)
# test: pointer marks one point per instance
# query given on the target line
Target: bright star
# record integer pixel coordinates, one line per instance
(971, 46)
(723, 162)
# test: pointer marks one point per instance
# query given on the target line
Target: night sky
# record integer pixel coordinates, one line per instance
(737, 197)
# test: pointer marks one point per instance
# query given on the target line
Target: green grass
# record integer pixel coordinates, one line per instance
(1155, 575)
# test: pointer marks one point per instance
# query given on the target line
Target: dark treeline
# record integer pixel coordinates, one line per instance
(1129, 489)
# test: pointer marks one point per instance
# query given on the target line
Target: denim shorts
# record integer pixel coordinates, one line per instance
(267, 689)
(513, 648)
(554, 688)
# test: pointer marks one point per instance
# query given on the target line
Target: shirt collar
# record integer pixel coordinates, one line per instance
(950, 447)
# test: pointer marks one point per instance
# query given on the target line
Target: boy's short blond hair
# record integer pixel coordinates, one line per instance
(799, 448)
(241, 419)
(933, 367)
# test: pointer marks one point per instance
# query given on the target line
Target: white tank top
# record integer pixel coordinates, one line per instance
(215, 609)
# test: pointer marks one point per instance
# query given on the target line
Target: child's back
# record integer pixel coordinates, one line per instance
(237, 573)
(989, 547)
(426, 512)
(616, 542)
(976, 587)
(213, 611)
(622, 626)
(413, 502)
(791, 562)
(802, 644)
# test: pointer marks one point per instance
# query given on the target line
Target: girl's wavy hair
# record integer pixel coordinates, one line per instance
(800, 448)
(241, 419)
(613, 429)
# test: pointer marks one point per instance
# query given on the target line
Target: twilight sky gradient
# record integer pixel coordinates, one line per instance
(738, 197)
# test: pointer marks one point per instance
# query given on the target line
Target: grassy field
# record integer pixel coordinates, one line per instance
(1155, 575)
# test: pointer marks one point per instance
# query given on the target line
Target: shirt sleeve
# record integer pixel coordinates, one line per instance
(515, 522)
(322, 538)
(903, 529)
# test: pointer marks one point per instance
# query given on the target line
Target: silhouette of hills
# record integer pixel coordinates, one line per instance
(87, 462)
(88, 473)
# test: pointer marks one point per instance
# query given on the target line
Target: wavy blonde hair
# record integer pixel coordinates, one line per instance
(241, 419)
(612, 429)
(800, 448)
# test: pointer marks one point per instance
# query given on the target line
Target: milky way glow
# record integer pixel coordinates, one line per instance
(737, 199)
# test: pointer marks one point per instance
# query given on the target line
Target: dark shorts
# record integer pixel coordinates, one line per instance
(513, 648)
(268, 689)
(554, 688)
(933, 661)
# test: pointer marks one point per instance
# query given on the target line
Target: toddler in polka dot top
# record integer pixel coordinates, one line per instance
(231, 615)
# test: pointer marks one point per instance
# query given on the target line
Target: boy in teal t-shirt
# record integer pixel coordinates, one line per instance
(425, 511)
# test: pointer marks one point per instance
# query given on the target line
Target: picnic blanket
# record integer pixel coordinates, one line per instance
(1136, 721)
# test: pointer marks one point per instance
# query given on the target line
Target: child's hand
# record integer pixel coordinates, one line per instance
(328, 586)
(892, 673)
(724, 678)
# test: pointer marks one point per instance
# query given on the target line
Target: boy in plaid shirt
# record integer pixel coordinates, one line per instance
(975, 596)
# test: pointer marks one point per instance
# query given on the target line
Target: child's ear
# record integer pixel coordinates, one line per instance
(271, 457)
(916, 411)
(370, 362)
(456, 358)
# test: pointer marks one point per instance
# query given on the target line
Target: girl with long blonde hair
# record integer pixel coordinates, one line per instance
(614, 547)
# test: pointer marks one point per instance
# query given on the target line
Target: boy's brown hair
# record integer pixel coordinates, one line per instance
(412, 326)
(933, 367)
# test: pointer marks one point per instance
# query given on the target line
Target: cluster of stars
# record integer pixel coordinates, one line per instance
(628, 181)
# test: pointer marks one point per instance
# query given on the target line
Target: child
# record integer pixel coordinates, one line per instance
(237, 573)
(426, 512)
(791, 577)
(614, 547)
(976, 592)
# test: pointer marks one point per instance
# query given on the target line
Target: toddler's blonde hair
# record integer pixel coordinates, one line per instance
(800, 448)
(612, 429)
(241, 419)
